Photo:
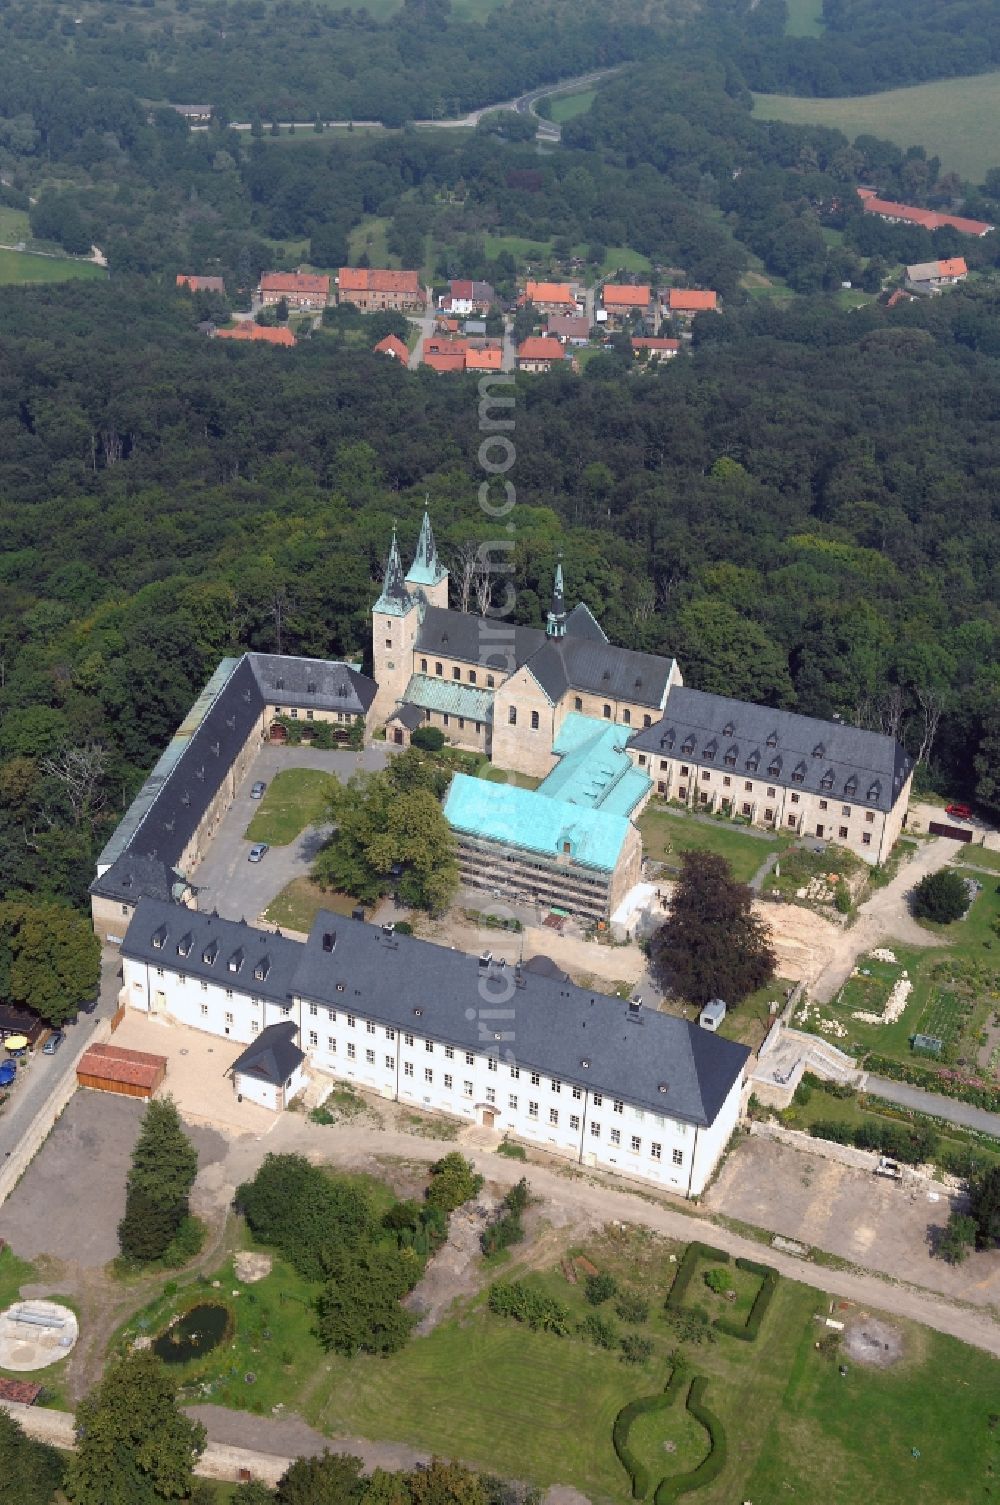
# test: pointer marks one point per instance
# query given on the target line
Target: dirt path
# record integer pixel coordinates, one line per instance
(885, 916)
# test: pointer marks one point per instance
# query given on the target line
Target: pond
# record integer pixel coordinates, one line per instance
(198, 1331)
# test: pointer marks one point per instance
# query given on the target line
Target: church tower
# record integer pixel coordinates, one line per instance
(395, 619)
(426, 574)
(555, 625)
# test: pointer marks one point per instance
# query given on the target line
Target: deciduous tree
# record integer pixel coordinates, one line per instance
(711, 945)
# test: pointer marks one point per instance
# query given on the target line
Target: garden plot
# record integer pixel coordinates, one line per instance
(878, 989)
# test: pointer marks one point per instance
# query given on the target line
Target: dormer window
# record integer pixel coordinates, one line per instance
(311, 687)
(262, 968)
(200, 773)
(236, 961)
(729, 729)
(731, 756)
(818, 750)
(874, 790)
(826, 782)
(159, 938)
(753, 762)
(851, 787)
(687, 746)
(774, 767)
(279, 684)
(772, 740)
(209, 954)
(798, 773)
(711, 749)
(184, 945)
(185, 798)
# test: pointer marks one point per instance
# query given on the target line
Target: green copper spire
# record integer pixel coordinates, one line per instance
(555, 627)
(395, 599)
(426, 568)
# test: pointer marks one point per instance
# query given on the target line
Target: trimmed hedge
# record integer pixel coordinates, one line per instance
(709, 1469)
(634, 1466)
(685, 1271)
(769, 1284)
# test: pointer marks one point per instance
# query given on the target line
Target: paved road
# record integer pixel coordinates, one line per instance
(239, 889)
(43, 1075)
(949, 1108)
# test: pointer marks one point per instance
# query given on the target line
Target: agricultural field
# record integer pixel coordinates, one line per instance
(294, 799)
(668, 831)
(956, 119)
(22, 267)
(787, 1422)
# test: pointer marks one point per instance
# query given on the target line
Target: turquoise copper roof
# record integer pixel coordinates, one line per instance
(594, 770)
(395, 600)
(529, 820)
(449, 697)
(426, 568)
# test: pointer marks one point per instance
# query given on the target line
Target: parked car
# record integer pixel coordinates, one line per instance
(258, 851)
(53, 1043)
(257, 791)
(963, 812)
(8, 1073)
(888, 1168)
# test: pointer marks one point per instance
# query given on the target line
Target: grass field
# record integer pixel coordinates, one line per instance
(295, 798)
(566, 106)
(23, 267)
(535, 1406)
(957, 119)
(14, 226)
(667, 833)
(299, 902)
(369, 236)
(805, 18)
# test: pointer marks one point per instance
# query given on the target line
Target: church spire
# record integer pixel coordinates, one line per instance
(555, 627)
(395, 599)
(426, 568)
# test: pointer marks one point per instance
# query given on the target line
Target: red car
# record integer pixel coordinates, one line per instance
(963, 812)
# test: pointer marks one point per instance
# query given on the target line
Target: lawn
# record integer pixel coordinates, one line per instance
(519, 247)
(299, 902)
(805, 18)
(14, 226)
(295, 798)
(979, 857)
(495, 775)
(23, 267)
(566, 106)
(666, 833)
(369, 237)
(957, 119)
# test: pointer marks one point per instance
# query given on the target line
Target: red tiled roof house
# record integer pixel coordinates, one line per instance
(374, 288)
(302, 290)
(537, 353)
(393, 347)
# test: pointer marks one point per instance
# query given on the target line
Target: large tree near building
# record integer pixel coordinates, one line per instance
(711, 945)
(164, 1165)
(135, 1445)
(391, 835)
(50, 959)
(30, 1472)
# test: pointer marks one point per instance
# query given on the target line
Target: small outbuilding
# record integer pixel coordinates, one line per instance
(270, 1071)
(113, 1068)
(712, 1014)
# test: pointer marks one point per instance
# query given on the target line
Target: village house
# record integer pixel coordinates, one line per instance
(932, 276)
(622, 302)
(651, 348)
(928, 219)
(394, 348)
(684, 302)
(571, 329)
(539, 353)
(300, 290)
(260, 333)
(201, 284)
(194, 114)
(464, 298)
(374, 289)
(595, 1079)
(551, 297)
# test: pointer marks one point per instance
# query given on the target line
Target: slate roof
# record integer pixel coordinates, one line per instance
(822, 757)
(556, 1025)
(582, 623)
(187, 936)
(273, 1056)
(143, 855)
(584, 663)
(476, 640)
(410, 716)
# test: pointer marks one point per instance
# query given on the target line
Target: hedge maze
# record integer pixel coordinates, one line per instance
(671, 1487)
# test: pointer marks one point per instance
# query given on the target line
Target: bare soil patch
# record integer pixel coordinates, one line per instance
(872, 1341)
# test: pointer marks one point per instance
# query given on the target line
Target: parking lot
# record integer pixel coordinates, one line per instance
(71, 1198)
(239, 889)
(878, 1224)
